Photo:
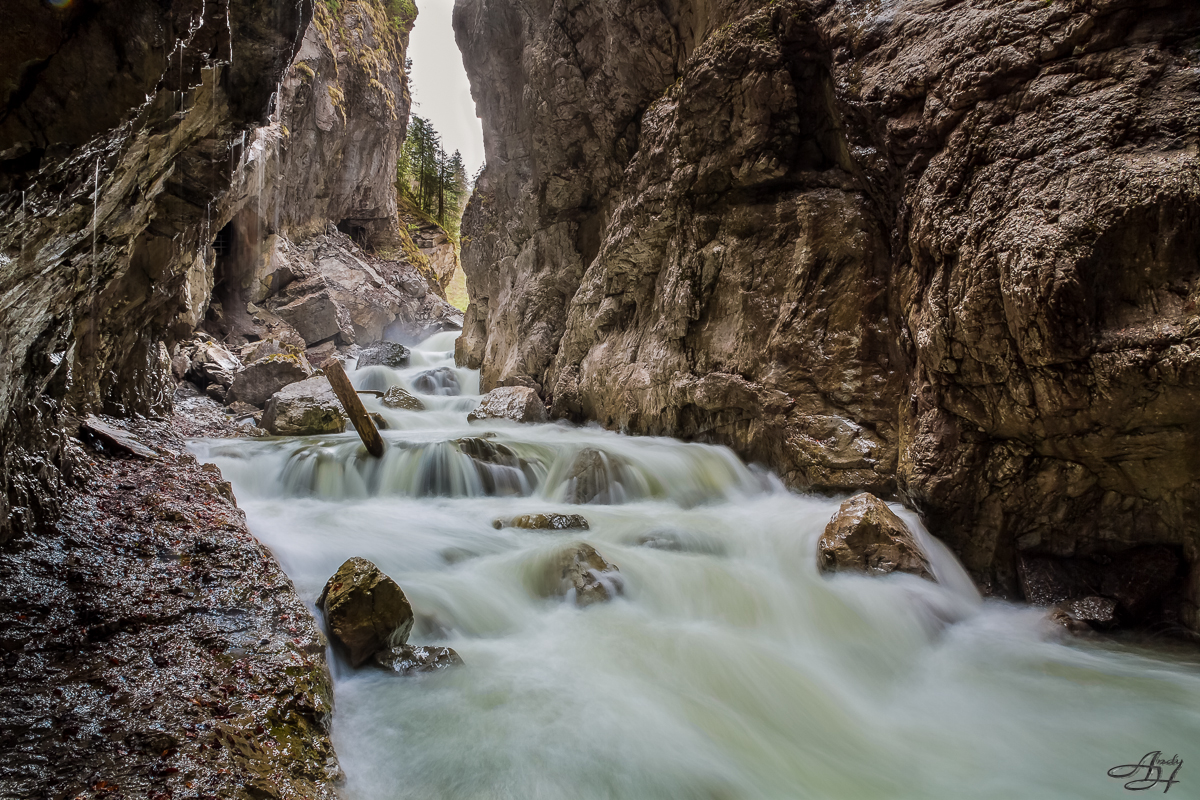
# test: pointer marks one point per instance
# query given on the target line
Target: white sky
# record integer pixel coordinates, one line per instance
(439, 84)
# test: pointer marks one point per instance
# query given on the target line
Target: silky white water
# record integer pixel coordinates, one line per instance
(730, 668)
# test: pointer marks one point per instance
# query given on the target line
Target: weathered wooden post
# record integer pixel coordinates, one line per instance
(358, 414)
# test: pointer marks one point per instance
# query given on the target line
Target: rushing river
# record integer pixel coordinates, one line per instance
(730, 668)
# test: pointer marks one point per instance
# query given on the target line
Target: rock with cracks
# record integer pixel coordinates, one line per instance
(365, 610)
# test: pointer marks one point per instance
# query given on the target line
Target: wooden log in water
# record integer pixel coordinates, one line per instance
(358, 414)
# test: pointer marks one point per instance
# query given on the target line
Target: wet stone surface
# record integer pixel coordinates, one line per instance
(151, 647)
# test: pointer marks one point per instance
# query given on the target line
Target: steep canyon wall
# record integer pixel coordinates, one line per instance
(945, 249)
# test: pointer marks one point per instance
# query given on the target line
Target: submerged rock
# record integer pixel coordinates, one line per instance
(386, 354)
(305, 408)
(594, 477)
(865, 536)
(260, 380)
(398, 397)
(488, 451)
(544, 522)
(441, 381)
(586, 576)
(365, 610)
(408, 659)
(517, 403)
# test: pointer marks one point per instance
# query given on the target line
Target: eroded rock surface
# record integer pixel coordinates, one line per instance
(365, 610)
(948, 250)
(866, 536)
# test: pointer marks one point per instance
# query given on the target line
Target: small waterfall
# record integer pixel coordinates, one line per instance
(729, 666)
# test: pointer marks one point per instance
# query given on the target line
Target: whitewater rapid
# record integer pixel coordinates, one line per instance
(729, 668)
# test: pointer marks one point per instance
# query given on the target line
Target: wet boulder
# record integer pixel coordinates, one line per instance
(865, 536)
(365, 610)
(585, 576)
(260, 380)
(305, 408)
(385, 354)
(441, 381)
(544, 522)
(398, 397)
(516, 403)
(408, 659)
(1095, 612)
(595, 477)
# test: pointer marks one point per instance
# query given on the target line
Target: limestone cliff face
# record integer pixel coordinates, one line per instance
(947, 248)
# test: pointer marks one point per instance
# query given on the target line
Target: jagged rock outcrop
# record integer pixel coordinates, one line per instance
(947, 250)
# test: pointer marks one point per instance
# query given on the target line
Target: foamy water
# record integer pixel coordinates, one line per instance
(730, 668)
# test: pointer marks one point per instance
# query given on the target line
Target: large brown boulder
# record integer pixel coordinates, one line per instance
(365, 610)
(259, 381)
(865, 536)
(306, 408)
(518, 403)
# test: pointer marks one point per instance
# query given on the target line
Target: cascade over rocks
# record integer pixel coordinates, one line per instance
(866, 536)
(944, 250)
(365, 610)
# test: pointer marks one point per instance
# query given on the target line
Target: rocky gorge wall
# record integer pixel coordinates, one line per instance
(949, 250)
(164, 168)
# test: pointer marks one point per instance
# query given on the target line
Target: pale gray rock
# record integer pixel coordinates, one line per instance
(516, 403)
(304, 408)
